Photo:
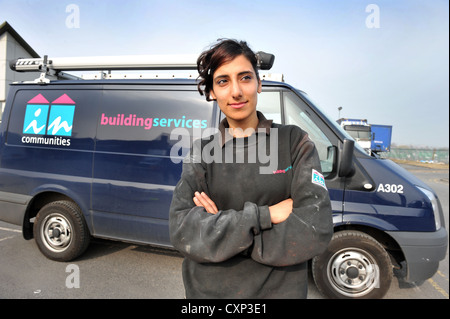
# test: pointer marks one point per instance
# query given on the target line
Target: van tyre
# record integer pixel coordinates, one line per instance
(60, 231)
(354, 265)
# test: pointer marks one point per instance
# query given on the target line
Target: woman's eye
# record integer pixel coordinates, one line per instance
(222, 82)
(246, 78)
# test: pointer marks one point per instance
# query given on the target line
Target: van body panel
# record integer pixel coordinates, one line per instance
(13, 207)
(129, 228)
(336, 196)
(394, 203)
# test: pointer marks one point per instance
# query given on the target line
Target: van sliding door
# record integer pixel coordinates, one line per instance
(142, 136)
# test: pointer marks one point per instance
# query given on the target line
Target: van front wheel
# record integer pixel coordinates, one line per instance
(355, 265)
(60, 231)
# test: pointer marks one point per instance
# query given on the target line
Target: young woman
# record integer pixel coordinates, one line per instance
(245, 234)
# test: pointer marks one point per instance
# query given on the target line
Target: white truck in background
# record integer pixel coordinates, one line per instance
(359, 129)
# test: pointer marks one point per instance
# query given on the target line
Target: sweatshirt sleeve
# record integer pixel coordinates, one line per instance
(205, 237)
(308, 229)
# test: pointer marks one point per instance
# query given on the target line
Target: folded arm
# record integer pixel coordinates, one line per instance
(308, 229)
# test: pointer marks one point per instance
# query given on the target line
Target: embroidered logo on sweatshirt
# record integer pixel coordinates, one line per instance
(282, 171)
(318, 179)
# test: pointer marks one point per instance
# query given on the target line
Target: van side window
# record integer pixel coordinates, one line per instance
(269, 103)
(297, 114)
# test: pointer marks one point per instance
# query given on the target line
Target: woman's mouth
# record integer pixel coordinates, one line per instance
(237, 105)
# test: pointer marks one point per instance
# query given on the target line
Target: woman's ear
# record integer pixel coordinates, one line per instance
(212, 95)
(259, 86)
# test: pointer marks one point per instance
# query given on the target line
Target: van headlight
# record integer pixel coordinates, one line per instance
(434, 204)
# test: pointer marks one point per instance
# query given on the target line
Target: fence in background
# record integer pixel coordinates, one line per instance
(421, 155)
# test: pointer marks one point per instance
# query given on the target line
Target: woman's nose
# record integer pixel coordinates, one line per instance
(236, 90)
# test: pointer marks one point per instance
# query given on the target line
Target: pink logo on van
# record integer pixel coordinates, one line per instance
(43, 118)
(38, 99)
(63, 99)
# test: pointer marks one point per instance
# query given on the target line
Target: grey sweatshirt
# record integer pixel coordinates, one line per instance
(238, 252)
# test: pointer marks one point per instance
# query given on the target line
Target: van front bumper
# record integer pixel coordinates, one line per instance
(423, 251)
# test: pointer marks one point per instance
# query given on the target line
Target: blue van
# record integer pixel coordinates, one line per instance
(95, 158)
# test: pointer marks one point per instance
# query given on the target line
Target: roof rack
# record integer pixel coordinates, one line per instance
(119, 76)
(55, 66)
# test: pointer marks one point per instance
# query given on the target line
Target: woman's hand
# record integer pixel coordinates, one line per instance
(278, 212)
(203, 200)
(281, 211)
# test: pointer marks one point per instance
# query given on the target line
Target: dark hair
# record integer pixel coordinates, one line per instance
(222, 52)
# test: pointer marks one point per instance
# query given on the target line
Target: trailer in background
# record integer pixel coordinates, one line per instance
(381, 138)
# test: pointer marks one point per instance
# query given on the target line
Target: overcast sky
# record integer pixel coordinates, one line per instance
(385, 61)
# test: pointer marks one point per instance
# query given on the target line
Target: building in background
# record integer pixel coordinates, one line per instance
(12, 46)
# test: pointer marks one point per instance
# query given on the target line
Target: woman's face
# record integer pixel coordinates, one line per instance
(236, 88)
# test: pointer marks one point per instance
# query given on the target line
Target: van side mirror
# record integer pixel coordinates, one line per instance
(265, 60)
(346, 158)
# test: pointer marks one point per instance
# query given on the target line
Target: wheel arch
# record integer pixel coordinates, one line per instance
(36, 203)
(389, 243)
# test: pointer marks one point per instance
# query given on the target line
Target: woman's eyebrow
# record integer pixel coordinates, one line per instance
(221, 76)
(245, 72)
(226, 75)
